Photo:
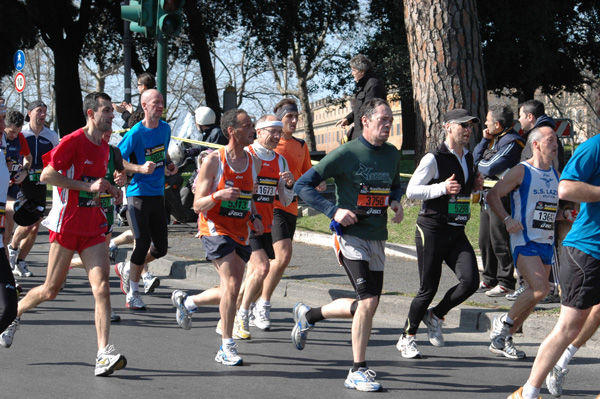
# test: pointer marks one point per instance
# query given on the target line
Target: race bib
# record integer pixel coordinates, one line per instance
(237, 209)
(87, 199)
(266, 190)
(156, 155)
(373, 200)
(34, 175)
(106, 202)
(544, 215)
(459, 208)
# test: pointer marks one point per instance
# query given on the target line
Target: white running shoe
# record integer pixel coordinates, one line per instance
(228, 355)
(150, 282)
(134, 301)
(498, 291)
(6, 338)
(219, 330)
(262, 315)
(12, 256)
(251, 316)
(363, 380)
(107, 363)
(500, 330)
(555, 380)
(241, 330)
(407, 345)
(301, 326)
(515, 294)
(123, 276)
(22, 269)
(434, 328)
(511, 352)
(182, 315)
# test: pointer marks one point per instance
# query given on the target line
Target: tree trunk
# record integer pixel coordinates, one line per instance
(446, 65)
(198, 38)
(309, 132)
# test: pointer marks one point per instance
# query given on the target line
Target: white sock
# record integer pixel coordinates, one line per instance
(566, 357)
(509, 320)
(263, 302)
(189, 304)
(530, 392)
(228, 341)
(135, 286)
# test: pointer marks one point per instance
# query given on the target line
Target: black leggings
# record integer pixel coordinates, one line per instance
(8, 293)
(149, 224)
(437, 242)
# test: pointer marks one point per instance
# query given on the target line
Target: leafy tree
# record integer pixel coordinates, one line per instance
(17, 32)
(547, 44)
(293, 35)
(446, 64)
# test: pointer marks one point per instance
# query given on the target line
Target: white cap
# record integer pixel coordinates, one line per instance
(205, 116)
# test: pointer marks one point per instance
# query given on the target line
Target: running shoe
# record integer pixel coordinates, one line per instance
(251, 316)
(123, 276)
(407, 345)
(219, 330)
(241, 330)
(363, 380)
(18, 288)
(150, 282)
(262, 315)
(500, 329)
(228, 355)
(551, 298)
(301, 326)
(113, 252)
(514, 295)
(483, 287)
(114, 318)
(182, 315)
(107, 363)
(498, 291)
(518, 394)
(12, 256)
(134, 301)
(6, 338)
(22, 269)
(434, 328)
(555, 380)
(511, 352)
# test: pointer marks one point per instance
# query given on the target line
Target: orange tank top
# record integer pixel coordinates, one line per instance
(230, 218)
(295, 152)
(266, 190)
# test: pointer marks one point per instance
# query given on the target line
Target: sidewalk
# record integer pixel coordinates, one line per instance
(314, 277)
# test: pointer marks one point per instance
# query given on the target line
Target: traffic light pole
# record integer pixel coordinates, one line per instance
(161, 70)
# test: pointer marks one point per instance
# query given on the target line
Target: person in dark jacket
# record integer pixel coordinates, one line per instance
(211, 133)
(497, 152)
(368, 86)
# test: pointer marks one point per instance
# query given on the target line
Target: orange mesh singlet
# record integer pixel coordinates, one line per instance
(230, 218)
(295, 151)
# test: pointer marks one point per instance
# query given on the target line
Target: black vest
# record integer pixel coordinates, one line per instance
(447, 165)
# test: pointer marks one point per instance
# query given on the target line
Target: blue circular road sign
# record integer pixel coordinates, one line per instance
(19, 60)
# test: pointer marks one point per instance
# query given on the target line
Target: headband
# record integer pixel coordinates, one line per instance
(285, 109)
(262, 125)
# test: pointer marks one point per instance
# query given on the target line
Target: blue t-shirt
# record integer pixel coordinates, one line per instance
(141, 144)
(584, 166)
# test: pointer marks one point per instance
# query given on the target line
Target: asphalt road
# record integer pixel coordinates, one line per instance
(53, 353)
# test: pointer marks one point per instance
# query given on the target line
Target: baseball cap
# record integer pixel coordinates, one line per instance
(34, 104)
(459, 115)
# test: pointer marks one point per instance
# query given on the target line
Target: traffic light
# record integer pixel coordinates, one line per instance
(168, 17)
(142, 14)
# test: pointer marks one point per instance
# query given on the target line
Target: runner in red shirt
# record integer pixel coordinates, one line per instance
(77, 166)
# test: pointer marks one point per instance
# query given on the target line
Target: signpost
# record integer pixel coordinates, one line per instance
(19, 61)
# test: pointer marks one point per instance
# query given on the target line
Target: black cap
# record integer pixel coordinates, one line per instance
(459, 115)
(34, 104)
(27, 212)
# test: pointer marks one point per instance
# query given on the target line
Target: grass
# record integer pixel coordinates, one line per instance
(403, 233)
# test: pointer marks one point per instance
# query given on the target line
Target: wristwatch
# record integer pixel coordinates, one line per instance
(254, 217)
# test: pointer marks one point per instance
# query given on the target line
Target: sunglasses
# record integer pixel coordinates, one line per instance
(464, 125)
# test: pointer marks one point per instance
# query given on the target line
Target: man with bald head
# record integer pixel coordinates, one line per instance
(144, 148)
